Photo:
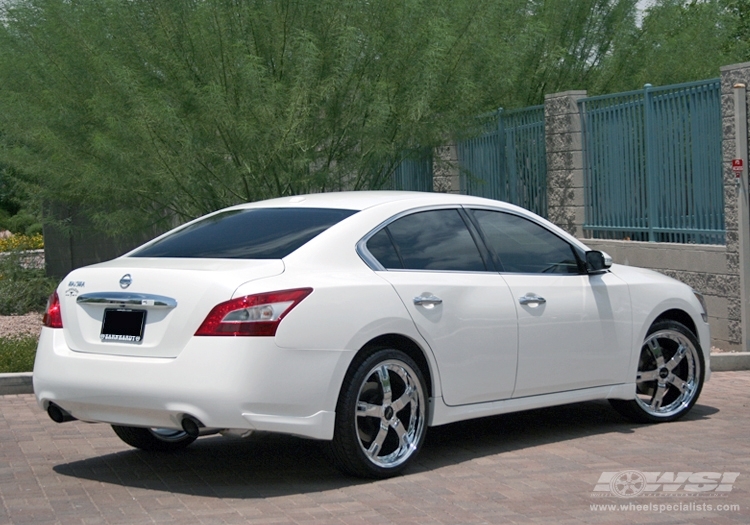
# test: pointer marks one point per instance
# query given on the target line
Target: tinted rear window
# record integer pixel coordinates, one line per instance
(259, 233)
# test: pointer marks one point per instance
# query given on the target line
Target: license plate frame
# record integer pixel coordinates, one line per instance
(123, 325)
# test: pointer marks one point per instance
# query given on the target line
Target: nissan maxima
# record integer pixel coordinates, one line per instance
(361, 319)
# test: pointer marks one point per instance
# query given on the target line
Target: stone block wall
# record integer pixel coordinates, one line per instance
(713, 270)
(564, 144)
(446, 176)
(703, 267)
(731, 75)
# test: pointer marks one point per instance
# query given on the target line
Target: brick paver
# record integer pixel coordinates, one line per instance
(534, 467)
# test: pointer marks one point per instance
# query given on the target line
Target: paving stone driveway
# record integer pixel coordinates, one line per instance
(540, 466)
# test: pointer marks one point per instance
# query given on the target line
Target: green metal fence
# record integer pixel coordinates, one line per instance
(508, 160)
(414, 173)
(652, 164)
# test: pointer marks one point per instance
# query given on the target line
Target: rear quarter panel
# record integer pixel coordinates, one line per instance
(344, 312)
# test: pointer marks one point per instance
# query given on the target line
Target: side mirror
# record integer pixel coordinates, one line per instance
(597, 261)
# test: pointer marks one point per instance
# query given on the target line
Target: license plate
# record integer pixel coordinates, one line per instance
(122, 325)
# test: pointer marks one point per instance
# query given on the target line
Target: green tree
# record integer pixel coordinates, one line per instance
(19, 212)
(143, 111)
(738, 28)
(678, 41)
(9, 202)
(153, 112)
(566, 43)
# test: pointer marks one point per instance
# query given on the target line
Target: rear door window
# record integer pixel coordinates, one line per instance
(257, 233)
(429, 240)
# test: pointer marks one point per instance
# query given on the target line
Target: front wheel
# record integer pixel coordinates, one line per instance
(380, 416)
(154, 439)
(670, 375)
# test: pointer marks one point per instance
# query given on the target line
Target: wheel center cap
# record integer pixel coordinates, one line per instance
(663, 373)
(388, 413)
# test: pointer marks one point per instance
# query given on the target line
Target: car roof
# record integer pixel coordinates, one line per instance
(361, 200)
(372, 200)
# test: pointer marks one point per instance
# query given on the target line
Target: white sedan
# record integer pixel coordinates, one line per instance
(361, 319)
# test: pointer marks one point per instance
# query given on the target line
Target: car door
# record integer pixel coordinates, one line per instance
(464, 311)
(573, 328)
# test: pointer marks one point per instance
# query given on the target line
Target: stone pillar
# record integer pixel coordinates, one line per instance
(445, 170)
(731, 75)
(564, 141)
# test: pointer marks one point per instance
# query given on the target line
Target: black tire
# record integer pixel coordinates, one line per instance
(154, 439)
(381, 416)
(670, 375)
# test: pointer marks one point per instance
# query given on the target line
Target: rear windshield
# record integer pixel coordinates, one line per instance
(258, 233)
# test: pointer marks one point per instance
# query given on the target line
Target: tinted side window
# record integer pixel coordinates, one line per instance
(435, 240)
(381, 247)
(260, 233)
(524, 246)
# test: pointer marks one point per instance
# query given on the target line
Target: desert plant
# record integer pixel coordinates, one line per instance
(17, 354)
(23, 287)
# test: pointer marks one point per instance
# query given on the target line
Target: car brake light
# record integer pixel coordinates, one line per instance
(52, 316)
(252, 315)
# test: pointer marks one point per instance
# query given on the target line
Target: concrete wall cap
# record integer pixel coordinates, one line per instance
(732, 67)
(571, 93)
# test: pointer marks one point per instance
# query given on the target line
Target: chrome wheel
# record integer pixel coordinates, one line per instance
(390, 413)
(670, 375)
(380, 415)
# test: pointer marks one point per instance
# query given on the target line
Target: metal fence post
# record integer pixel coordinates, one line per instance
(506, 157)
(743, 218)
(502, 160)
(651, 167)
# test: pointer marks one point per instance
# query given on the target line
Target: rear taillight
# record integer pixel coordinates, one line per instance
(253, 315)
(52, 316)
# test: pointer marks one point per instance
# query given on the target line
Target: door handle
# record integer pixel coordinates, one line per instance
(427, 300)
(531, 299)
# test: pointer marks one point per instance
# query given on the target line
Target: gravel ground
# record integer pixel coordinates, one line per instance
(20, 325)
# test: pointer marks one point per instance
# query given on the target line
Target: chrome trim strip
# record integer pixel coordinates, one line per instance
(374, 264)
(127, 299)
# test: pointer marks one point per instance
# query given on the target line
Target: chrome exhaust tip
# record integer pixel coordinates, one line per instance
(58, 415)
(191, 426)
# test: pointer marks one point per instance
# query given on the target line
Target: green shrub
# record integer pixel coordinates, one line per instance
(23, 223)
(23, 288)
(17, 354)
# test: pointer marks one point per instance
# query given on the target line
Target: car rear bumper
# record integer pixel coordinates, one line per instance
(224, 382)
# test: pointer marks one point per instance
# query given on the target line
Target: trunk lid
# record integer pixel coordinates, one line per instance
(175, 294)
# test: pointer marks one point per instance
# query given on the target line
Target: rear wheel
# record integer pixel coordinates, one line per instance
(380, 417)
(154, 439)
(670, 375)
